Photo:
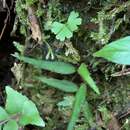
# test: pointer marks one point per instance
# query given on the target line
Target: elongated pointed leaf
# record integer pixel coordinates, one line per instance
(11, 125)
(63, 85)
(54, 66)
(79, 100)
(84, 73)
(117, 51)
(3, 114)
(30, 115)
(14, 101)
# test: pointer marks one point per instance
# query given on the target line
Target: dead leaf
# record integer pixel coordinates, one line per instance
(34, 25)
(113, 123)
(17, 70)
(99, 120)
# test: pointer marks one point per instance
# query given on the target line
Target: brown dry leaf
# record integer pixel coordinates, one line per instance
(17, 70)
(113, 123)
(99, 120)
(34, 25)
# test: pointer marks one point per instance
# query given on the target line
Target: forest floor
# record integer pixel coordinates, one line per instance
(103, 21)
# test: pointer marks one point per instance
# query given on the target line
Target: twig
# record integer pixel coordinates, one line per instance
(1, 34)
(6, 20)
(16, 117)
(34, 24)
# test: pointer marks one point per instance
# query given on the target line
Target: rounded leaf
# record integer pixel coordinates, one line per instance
(11, 125)
(30, 115)
(3, 114)
(14, 101)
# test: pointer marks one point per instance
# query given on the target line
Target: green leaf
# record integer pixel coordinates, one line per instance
(74, 21)
(63, 31)
(11, 125)
(30, 2)
(66, 102)
(54, 66)
(19, 47)
(84, 73)
(117, 51)
(63, 85)
(79, 100)
(17, 103)
(3, 114)
(14, 101)
(30, 115)
(57, 27)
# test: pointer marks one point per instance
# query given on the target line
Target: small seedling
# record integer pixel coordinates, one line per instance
(19, 111)
(65, 30)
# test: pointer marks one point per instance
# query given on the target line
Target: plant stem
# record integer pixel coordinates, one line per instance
(15, 117)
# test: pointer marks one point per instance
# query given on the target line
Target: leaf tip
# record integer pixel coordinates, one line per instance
(98, 92)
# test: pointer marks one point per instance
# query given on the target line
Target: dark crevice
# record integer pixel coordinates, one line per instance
(7, 17)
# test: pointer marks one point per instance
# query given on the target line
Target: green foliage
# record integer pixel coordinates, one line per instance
(102, 36)
(30, 116)
(66, 86)
(63, 85)
(66, 30)
(66, 102)
(31, 2)
(20, 9)
(84, 73)
(19, 47)
(14, 107)
(50, 16)
(117, 51)
(108, 21)
(3, 114)
(126, 125)
(88, 114)
(79, 100)
(54, 66)
(19, 110)
(11, 125)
